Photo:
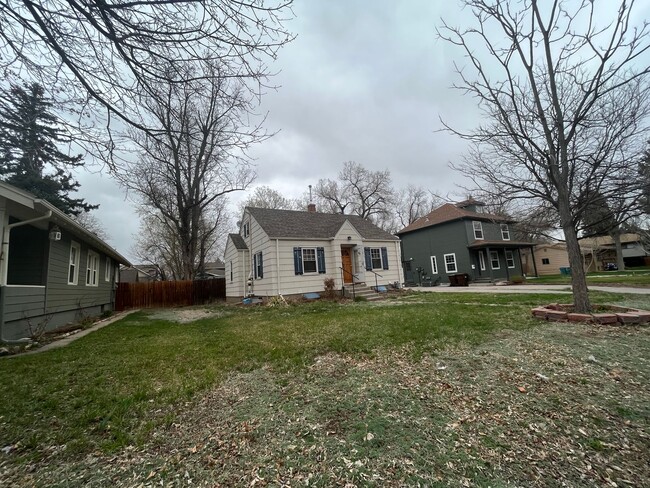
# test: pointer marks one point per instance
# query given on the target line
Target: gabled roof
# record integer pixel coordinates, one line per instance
(292, 224)
(58, 217)
(448, 213)
(238, 241)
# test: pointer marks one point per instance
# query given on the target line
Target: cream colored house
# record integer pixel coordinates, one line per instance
(288, 252)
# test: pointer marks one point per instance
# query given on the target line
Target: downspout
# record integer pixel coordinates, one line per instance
(4, 266)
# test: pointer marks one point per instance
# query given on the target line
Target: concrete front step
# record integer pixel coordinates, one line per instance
(363, 291)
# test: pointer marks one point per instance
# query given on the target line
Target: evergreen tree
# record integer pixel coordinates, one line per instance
(29, 156)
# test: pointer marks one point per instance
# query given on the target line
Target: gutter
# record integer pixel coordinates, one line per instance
(3, 272)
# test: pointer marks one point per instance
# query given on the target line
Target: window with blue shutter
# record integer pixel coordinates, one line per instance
(320, 254)
(366, 252)
(384, 257)
(297, 260)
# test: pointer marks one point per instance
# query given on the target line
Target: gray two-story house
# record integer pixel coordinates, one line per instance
(461, 238)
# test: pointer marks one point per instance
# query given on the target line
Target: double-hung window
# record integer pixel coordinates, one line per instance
(258, 265)
(478, 229)
(309, 260)
(376, 258)
(494, 260)
(107, 269)
(434, 265)
(505, 232)
(309, 264)
(450, 263)
(510, 259)
(246, 229)
(73, 265)
(92, 269)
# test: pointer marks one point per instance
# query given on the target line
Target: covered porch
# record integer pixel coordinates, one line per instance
(498, 260)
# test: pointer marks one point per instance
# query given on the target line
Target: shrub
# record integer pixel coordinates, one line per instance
(517, 279)
(329, 285)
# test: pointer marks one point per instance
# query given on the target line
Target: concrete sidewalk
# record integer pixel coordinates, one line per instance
(73, 337)
(526, 289)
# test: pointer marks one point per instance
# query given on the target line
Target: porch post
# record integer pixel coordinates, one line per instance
(532, 253)
(505, 259)
(488, 264)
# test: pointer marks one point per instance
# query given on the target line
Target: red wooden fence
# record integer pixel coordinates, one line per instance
(168, 293)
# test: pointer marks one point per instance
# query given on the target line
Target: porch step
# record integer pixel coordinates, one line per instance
(482, 281)
(363, 290)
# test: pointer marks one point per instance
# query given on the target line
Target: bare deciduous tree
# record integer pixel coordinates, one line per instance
(99, 54)
(566, 104)
(358, 191)
(413, 202)
(158, 242)
(267, 197)
(197, 156)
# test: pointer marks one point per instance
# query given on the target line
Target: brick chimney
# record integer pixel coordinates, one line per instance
(311, 208)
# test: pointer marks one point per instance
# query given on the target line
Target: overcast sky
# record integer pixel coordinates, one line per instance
(365, 81)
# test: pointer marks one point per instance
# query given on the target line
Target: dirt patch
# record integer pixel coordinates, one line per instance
(186, 315)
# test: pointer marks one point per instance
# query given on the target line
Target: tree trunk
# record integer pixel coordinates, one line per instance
(616, 236)
(578, 278)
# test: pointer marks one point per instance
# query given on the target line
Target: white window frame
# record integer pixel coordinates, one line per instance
(92, 272)
(498, 266)
(77, 247)
(479, 229)
(381, 261)
(434, 265)
(315, 260)
(505, 231)
(546, 259)
(256, 265)
(246, 229)
(511, 258)
(481, 260)
(447, 263)
(107, 269)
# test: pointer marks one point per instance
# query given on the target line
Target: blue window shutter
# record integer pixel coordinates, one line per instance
(261, 265)
(384, 257)
(254, 265)
(320, 256)
(366, 251)
(297, 260)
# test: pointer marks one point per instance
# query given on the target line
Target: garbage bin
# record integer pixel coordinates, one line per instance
(566, 271)
(460, 279)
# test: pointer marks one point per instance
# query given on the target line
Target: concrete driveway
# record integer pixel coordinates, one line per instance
(525, 289)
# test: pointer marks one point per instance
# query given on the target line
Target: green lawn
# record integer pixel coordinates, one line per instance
(141, 383)
(637, 277)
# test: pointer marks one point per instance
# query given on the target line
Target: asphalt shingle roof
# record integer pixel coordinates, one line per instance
(294, 224)
(447, 213)
(238, 241)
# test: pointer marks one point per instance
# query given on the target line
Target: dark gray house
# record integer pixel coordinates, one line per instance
(52, 270)
(460, 238)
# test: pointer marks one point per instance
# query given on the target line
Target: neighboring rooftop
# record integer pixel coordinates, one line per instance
(450, 212)
(293, 224)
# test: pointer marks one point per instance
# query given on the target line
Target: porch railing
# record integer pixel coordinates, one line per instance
(376, 275)
(343, 271)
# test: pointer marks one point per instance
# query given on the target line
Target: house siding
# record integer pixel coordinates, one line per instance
(237, 286)
(448, 238)
(23, 301)
(60, 295)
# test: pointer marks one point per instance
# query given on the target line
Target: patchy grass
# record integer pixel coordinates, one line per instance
(425, 389)
(636, 277)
